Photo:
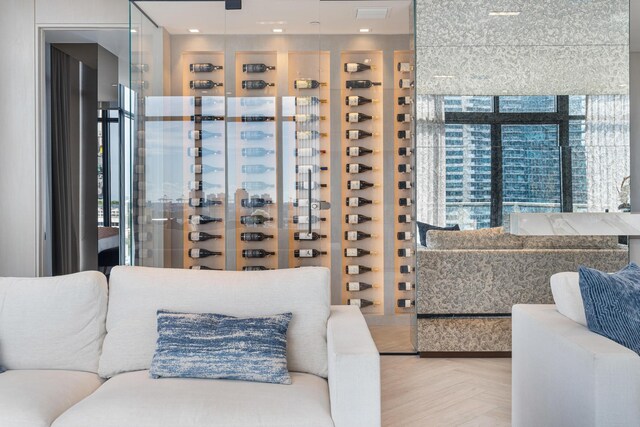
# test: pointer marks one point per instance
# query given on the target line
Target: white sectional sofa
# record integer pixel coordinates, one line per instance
(73, 363)
(567, 376)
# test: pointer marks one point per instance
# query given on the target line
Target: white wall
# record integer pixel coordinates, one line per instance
(20, 24)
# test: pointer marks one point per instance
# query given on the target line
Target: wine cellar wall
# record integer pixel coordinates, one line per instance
(280, 158)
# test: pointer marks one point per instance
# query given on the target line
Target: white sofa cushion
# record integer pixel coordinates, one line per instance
(36, 398)
(135, 400)
(565, 288)
(53, 322)
(137, 293)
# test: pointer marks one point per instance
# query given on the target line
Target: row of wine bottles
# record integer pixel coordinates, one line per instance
(362, 286)
(363, 303)
(257, 135)
(349, 67)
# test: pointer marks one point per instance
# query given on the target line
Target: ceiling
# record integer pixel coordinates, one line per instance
(293, 16)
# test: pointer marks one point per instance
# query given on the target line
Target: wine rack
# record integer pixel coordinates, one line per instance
(307, 160)
(203, 133)
(367, 218)
(252, 117)
(404, 164)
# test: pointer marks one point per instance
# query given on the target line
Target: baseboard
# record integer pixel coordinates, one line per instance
(464, 354)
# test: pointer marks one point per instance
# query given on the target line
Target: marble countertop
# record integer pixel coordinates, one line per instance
(575, 224)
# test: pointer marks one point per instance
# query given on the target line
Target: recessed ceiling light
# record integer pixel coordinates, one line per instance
(133, 30)
(365, 30)
(278, 30)
(194, 30)
(504, 13)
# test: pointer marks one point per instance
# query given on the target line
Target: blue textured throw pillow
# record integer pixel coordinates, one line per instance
(224, 347)
(612, 304)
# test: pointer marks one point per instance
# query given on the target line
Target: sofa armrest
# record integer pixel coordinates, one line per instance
(354, 369)
(565, 375)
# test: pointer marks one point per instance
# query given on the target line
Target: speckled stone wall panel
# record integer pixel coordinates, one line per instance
(462, 334)
(492, 281)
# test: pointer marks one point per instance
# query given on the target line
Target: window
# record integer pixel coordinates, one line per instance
(513, 154)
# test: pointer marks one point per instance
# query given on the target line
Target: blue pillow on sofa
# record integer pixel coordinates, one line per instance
(612, 304)
(423, 228)
(206, 345)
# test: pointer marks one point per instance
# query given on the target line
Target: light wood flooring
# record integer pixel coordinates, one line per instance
(392, 339)
(445, 392)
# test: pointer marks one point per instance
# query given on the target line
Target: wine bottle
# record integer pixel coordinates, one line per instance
(256, 253)
(200, 169)
(202, 253)
(405, 286)
(199, 202)
(353, 236)
(201, 185)
(358, 151)
(358, 286)
(404, 219)
(405, 303)
(405, 100)
(306, 219)
(362, 303)
(306, 185)
(354, 168)
(405, 151)
(255, 237)
(405, 84)
(201, 236)
(357, 269)
(200, 152)
(305, 101)
(255, 101)
(199, 101)
(307, 118)
(306, 135)
(203, 267)
(357, 134)
(356, 67)
(257, 118)
(202, 219)
(204, 68)
(199, 118)
(198, 135)
(308, 253)
(255, 268)
(256, 185)
(256, 169)
(357, 117)
(354, 202)
(361, 84)
(312, 168)
(356, 219)
(355, 252)
(404, 118)
(404, 134)
(203, 84)
(255, 84)
(359, 185)
(256, 152)
(308, 236)
(255, 202)
(354, 101)
(254, 219)
(405, 201)
(304, 203)
(256, 68)
(405, 235)
(307, 84)
(308, 152)
(405, 67)
(254, 135)
(405, 185)
(405, 252)
(404, 168)
(406, 269)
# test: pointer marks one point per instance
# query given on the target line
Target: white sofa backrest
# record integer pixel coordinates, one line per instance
(137, 293)
(53, 322)
(565, 288)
